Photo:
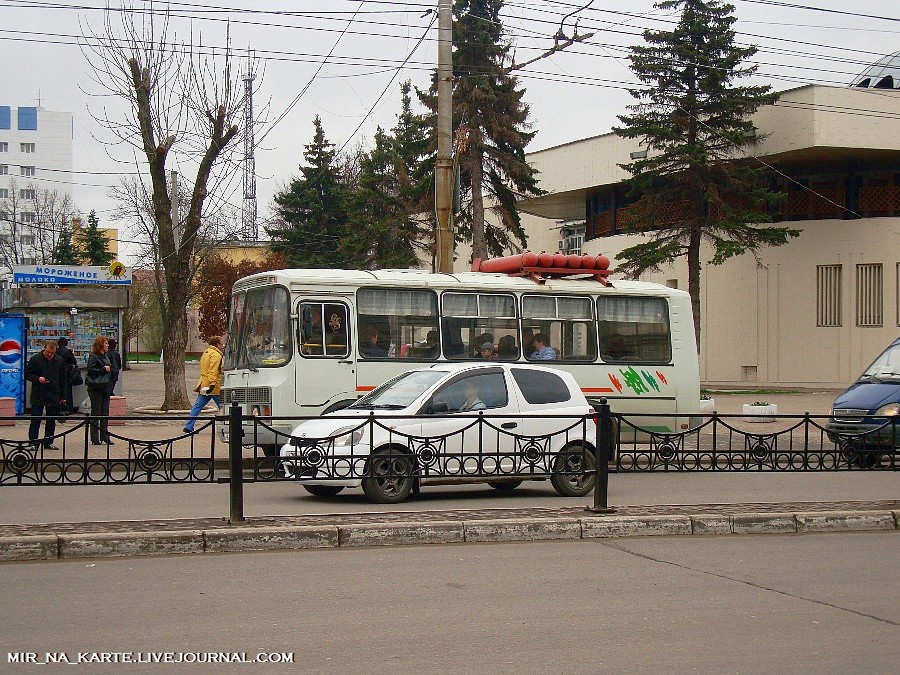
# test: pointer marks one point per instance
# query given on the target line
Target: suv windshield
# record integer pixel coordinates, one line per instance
(886, 368)
(259, 329)
(399, 392)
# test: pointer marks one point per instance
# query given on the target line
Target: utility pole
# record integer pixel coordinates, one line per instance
(443, 170)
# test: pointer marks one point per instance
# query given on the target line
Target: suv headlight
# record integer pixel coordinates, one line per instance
(888, 410)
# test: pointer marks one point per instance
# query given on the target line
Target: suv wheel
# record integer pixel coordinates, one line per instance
(390, 478)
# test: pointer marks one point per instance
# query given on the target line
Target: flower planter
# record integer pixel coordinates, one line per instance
(760, 413)
(707, 406)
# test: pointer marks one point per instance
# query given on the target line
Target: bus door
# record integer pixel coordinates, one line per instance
(326, 373)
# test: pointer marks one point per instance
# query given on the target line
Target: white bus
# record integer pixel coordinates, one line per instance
(302, 342)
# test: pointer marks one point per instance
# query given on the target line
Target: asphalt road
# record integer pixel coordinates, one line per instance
(760, 604)
(75, 503)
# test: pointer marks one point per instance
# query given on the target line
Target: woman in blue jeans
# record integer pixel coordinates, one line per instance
(209, 387)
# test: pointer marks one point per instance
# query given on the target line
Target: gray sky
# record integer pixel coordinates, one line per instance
(572, 95)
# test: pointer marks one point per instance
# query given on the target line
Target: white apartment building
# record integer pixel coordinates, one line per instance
(35, 161)
(820, 308)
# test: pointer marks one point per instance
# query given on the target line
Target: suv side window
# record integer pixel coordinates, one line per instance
(474, 393)
(540, 387)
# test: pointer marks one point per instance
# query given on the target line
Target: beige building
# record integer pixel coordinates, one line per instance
(820, 308)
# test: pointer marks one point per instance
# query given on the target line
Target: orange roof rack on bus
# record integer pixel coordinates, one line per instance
(542, 266)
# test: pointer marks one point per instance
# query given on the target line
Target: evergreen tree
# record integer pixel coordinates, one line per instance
(65, 252)
(415, 166)
(95, 243)
(488, 107)
(695, 185)
(381, 231)
(312, 212)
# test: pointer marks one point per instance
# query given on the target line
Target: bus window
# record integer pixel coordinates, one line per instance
(323, 329)
(634, 330)
(396, 323)
(259, 334)
(472, 320)
(566, 323)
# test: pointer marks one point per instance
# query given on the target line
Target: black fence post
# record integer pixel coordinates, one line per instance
(236, 457)
(601, 479)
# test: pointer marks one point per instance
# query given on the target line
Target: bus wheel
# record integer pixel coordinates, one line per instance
(390, 478)
(504, 485)
(573, 471)
(269, 450)
(323, 490)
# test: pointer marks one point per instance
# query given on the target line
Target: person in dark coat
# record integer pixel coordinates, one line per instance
(115, 360)
(46, 372)
(63, 352)
(97, 382)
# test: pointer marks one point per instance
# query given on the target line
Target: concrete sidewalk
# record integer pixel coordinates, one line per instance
(211, 535)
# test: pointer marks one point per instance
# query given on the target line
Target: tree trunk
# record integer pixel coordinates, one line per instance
(174, 346)
(479, 241)
(693, 258)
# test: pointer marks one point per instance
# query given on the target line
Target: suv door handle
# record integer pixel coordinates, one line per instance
(509, 425)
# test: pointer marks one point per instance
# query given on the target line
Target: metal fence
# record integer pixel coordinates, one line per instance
(576, 454)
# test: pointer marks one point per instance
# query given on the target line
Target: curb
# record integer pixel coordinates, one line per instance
(245, 537)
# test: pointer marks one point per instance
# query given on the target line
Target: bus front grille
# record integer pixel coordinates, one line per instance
(251, 395)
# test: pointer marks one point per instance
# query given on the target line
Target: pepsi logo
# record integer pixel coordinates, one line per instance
(10, 351)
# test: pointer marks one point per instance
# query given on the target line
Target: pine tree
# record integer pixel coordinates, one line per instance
(65, 252)
(95, 243)
(381, 232)
(312, 212)
(695, 184)
(488, 107)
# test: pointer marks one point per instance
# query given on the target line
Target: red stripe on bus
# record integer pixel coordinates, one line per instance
(593, 390)
(371, 388)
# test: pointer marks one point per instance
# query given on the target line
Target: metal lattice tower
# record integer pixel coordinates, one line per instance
(249, 223)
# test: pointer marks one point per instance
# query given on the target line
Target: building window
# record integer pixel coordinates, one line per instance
(4, 169)
(27, 217)
(571, 238)
(4, 147)
(27, 148)
(4, 116)
(26, 239)
(4, 193)
(29, 260)
(26, 171)
(869, 295)
(828, 295)
(27, 193)
(27, 119)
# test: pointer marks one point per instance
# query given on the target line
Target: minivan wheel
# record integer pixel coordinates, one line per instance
(390, 478)
(573, 471)
(323, 490)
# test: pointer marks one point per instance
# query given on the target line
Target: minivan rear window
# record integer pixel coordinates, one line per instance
(541, 387)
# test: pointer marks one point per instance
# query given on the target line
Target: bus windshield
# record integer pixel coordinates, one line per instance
(259, 329)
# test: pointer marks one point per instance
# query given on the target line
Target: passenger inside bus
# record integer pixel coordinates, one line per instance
(432, 348)
(369, 346)
(542, 349)
(507, 348)
(614, 348)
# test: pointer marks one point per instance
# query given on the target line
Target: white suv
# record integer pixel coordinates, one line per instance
(451, 423)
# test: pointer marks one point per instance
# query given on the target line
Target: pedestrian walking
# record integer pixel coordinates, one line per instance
(115, 361)
(97, 381)
(46, 371)
(63, 352)
(209, 386)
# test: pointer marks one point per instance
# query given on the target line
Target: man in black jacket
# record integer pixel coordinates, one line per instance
(45, 370)
(68, 358)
